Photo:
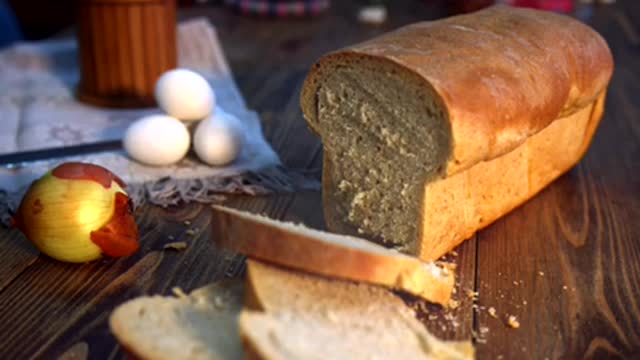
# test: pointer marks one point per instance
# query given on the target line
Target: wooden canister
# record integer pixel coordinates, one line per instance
(125, 45)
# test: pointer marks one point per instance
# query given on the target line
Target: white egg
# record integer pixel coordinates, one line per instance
(157, 140)
(219, 138)
(185, 95)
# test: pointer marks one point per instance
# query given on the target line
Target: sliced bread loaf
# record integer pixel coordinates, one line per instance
(294, 315)
(435, 130)
(328, 254)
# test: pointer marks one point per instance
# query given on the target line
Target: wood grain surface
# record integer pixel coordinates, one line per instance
(566, 264)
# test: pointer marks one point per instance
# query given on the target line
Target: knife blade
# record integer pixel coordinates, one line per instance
(20, 159)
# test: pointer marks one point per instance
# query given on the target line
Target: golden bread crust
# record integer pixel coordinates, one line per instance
(454, 208)
(243, 232)
(503, 74)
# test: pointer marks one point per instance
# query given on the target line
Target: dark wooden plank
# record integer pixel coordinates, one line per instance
(567, 266)
(16, 253)
(250, 41)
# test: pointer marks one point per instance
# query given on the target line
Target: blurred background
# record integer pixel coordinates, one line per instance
(38, 19)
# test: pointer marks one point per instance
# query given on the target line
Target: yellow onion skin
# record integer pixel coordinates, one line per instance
(59, 215)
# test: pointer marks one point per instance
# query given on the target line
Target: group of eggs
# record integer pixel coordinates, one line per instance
(190, 104)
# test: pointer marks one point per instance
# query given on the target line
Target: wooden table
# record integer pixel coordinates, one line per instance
(566, 264)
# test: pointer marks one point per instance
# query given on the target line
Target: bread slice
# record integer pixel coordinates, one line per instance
(294, 315)
(201, 326)
(332, 255)
(435, 130)
(288, 315)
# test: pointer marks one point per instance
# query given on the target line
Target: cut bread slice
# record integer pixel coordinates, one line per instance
(294, 315)
(288, 315)
(201, 326)
(339, 256)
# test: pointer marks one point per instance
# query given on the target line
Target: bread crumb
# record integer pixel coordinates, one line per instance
(473, 295)
(564, 287)
(178, 245)
(177, 291)
(432, 317)
(344, 185)
(500, 357)
(513, 322)
(448, 265)
(492, 312)
(453, 304)
(445, 271)
(540, 273)
(190, 232)
(524, 302)
(187, 223)
(515, 283)
(218, 302)
(171, 237)
(483, 330)
(454, 253)
(332, 316)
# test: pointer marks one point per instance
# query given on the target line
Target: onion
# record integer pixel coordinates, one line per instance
(78, 212)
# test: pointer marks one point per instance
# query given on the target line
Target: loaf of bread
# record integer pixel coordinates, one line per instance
(286, 315)
(337, 256)
(435, 130)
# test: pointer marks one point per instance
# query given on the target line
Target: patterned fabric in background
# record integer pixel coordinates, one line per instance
(280, 8)
(565, 6)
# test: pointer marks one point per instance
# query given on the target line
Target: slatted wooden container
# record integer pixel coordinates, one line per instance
(125, 45)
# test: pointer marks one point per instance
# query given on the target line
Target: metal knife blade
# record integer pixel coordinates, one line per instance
(20, 159)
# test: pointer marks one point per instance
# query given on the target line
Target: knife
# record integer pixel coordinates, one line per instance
(20, 159)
